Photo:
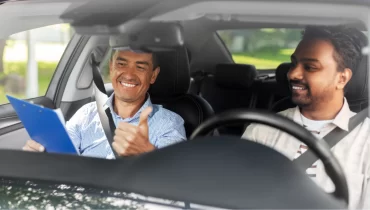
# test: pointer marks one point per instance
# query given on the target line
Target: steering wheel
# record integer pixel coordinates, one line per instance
(320, 148)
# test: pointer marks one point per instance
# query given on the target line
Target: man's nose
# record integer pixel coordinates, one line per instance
(295, 72)
(129, 71)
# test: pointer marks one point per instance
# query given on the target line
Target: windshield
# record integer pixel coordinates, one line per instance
(21, 194)
(104, 105)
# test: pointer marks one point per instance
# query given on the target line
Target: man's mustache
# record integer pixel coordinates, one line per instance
(298, 82)
(131, 80)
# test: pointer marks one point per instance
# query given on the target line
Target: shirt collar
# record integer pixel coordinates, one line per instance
(147, 103)
(341, 120)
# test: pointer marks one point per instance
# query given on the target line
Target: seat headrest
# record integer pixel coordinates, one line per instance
(357, 87)
(281, 74)
(174, 77)
(236, 76)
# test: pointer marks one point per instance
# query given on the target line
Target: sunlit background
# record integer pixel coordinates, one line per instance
(265, 48)
(28, 60)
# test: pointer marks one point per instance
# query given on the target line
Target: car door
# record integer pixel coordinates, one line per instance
(34, 65)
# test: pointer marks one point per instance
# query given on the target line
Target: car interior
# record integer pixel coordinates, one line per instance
(198, 80)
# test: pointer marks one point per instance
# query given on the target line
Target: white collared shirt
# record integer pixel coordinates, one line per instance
(352, 152)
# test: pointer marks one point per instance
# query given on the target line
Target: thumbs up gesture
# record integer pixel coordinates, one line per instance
(133, 140)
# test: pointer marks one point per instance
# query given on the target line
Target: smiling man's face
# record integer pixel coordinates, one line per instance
(314, 76)
(132, 74)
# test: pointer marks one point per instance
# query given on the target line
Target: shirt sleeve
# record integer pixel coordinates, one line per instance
(251, 133)
(264, 134)
(173, 132)
(366, 192)
(73, 127)
(260, 133)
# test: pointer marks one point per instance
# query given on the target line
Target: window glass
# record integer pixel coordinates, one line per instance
(28, 60)
(265, 48)
(104, 67)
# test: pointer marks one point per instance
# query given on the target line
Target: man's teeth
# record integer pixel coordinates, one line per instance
(127, 85)
(298, 88)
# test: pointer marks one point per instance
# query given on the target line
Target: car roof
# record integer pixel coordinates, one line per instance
(105, 17)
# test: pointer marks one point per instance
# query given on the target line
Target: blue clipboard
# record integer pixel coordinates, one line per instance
(44, 126)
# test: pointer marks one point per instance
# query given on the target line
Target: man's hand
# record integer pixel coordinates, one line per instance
(33, 146)
(133, 140)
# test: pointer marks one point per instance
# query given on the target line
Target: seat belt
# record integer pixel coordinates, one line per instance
(308, 158)
(101, 97)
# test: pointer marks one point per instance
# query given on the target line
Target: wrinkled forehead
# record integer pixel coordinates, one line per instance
(131, 53)
(319, 49)
(138, 51)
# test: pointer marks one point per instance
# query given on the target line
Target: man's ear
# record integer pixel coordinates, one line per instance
(155, 75)
(344, 78)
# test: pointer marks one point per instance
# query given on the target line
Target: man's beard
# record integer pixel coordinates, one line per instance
(307, 99)
(301, 100)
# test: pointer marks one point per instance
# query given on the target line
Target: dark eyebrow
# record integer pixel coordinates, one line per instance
(142, 62)
(293, 58)
(137, 62)
(309, 59)
(305, 59)
(121, 59)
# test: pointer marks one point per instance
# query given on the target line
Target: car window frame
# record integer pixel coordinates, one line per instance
(9, 120)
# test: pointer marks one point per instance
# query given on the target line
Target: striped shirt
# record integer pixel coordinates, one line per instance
(87, 134)
(352, 152)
